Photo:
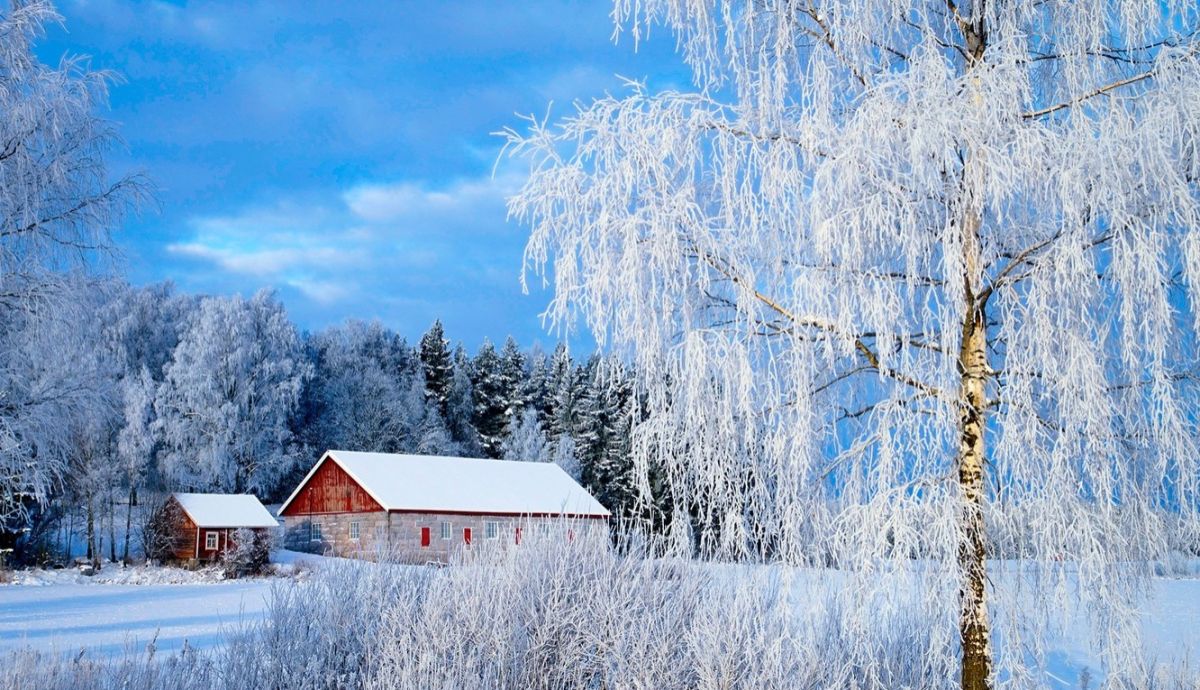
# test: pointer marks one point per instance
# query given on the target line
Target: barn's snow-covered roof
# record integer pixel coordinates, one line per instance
(430, 483)
(225, 510)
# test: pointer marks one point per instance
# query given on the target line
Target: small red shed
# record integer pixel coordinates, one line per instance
(207, 522)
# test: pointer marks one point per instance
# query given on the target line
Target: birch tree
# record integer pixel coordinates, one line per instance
(904, 279)
(57, 206)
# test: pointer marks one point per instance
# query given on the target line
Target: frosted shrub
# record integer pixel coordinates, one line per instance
(159, 533)
(557, 614)
(249, 553)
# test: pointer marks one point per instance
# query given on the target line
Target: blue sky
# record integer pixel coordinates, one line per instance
(341, 152)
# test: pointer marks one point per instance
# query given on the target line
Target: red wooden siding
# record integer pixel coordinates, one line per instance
(331, 490)
(184, 542)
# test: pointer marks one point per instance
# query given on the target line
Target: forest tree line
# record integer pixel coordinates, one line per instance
(115, 394)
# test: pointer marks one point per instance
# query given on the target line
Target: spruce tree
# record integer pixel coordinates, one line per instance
(512, 381)
(490, 403)
(434, 351)
(565, 384)
(460, 408)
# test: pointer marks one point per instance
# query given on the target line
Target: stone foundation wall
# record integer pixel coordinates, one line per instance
(399, 535)
(335, 533)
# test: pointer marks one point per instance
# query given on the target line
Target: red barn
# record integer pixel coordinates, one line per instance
(207, 522)
(421, 508)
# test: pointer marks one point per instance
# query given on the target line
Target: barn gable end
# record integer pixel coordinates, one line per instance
(329, 489)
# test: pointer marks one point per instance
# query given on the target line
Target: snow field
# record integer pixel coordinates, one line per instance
(571, 614)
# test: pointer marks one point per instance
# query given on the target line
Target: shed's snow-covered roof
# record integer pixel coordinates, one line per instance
(433, 483)
(225, 510)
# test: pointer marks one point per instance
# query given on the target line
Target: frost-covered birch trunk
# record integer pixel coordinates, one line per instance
(974, 625)
(911, 290)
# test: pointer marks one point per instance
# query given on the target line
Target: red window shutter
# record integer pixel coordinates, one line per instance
(424, 536)
(466, 535)
(518, 535)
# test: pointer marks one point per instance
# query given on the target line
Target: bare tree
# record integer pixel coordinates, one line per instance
(905, 280)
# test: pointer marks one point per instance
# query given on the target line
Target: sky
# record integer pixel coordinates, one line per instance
(343, 153)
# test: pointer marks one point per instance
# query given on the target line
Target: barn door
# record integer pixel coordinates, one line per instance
(467, 535)
(425, 536)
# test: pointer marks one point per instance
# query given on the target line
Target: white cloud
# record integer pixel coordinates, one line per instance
(379, 203)
(322, 291)
(377, 238)
(263, 262)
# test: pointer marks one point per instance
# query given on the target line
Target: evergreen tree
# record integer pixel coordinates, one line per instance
(490, 402)
(512, 381)
(535, 390)
(434, 351)
(564, 387)
(460, 408)
(603, 435)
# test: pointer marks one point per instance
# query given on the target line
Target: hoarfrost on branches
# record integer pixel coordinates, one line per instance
(906, 282)
(526, 442)
(229, 391)
(57, 205)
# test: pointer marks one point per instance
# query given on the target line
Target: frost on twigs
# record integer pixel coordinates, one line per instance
(793, 253)
(57, 206)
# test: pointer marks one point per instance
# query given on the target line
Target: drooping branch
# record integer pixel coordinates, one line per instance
(820, 324)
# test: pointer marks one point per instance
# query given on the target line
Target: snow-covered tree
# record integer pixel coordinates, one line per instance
(136, 439)
(54, 382)
(433, 438)
(512, 380)
(434, 351)
(143, 326)
(460, 409)
(490, 401)
(904, 276)
(564, 391)
(358, 396)
(535, 389)
(563, 454)
(230, 389)
(602, 435)
(57, 206)
(526, 442)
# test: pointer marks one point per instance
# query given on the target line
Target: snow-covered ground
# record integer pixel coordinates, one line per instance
(1170, 634)
(108, 619)
(126, 608)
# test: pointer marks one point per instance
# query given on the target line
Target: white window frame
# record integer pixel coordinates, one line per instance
(491, 529)
(211, 538)
(447, 530)
(355, 530)
(314, 531)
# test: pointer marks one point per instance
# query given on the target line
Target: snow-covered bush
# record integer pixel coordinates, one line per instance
(160, 536)
(249, 553)
(562, 615)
